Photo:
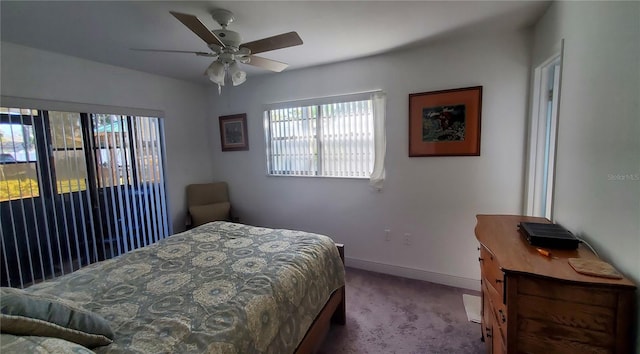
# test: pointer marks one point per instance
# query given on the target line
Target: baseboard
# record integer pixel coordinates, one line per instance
(412, 273)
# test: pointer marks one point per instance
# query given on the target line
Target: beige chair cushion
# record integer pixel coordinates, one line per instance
(207, 193)
(202, 214)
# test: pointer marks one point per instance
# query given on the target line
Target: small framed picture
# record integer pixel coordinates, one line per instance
(233, 132)
(445, 123)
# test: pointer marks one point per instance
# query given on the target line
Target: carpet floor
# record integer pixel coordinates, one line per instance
(387, 314)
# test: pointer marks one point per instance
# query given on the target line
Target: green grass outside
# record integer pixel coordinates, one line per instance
(28, 188)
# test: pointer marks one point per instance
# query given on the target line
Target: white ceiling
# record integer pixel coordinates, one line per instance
(332, 31)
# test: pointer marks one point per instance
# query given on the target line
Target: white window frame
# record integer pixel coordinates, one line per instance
(543, 134)
(377, 98)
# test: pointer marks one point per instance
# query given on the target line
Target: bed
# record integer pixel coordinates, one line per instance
(218, 288)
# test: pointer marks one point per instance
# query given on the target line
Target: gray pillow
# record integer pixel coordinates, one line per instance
(24, 313)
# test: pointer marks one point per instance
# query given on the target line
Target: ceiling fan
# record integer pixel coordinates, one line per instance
(226, 46)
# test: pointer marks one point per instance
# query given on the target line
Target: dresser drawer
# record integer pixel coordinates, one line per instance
(496, 315)
(499, 308)
(491, 272)
(498, 343)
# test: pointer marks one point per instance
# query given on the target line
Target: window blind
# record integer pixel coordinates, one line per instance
(76, 188)
(331, 137)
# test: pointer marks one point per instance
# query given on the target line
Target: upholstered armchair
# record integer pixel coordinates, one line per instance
(207, 202)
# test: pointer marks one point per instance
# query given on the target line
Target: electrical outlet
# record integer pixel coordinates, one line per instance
(407, 239)
(387, 234)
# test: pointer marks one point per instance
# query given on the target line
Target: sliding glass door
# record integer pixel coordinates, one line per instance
(76, 188)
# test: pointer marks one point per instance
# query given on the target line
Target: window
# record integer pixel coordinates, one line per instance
(76, 188)
(18, 178)
(67, 148)
(112, 153)
(331, 137)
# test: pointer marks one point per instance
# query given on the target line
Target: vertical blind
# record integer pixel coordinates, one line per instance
(76, 188)
(332, 139)
(347, 139)
(294, 141)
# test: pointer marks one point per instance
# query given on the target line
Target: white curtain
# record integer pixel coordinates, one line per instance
(379, 112)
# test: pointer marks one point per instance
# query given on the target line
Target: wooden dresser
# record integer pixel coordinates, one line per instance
(537, 304)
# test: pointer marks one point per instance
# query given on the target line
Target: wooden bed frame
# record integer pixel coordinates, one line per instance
(334, 311)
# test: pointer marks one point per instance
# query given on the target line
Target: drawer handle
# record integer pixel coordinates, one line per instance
(480, 259)
(502, 317)
(488, 332)
(498, 281)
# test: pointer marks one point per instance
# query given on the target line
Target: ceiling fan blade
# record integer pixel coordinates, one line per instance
(204, 54)
(197, 27)
(268, 64)
(284, 40)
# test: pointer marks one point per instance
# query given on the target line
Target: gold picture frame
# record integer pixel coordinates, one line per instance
(445, 123)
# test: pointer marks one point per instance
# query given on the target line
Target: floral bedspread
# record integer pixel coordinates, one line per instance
(218, 288)
(10, 344)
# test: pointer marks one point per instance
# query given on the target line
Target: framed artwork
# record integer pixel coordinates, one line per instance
(233, 132)
(445, 123)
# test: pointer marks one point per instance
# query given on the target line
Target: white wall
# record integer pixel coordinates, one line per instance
(435, 199)
(36, 74)
(598, 156)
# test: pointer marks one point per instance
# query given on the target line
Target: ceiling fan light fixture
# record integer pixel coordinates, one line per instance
(226, 46)
(216, 72)
(237, 76)
(215, 48)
